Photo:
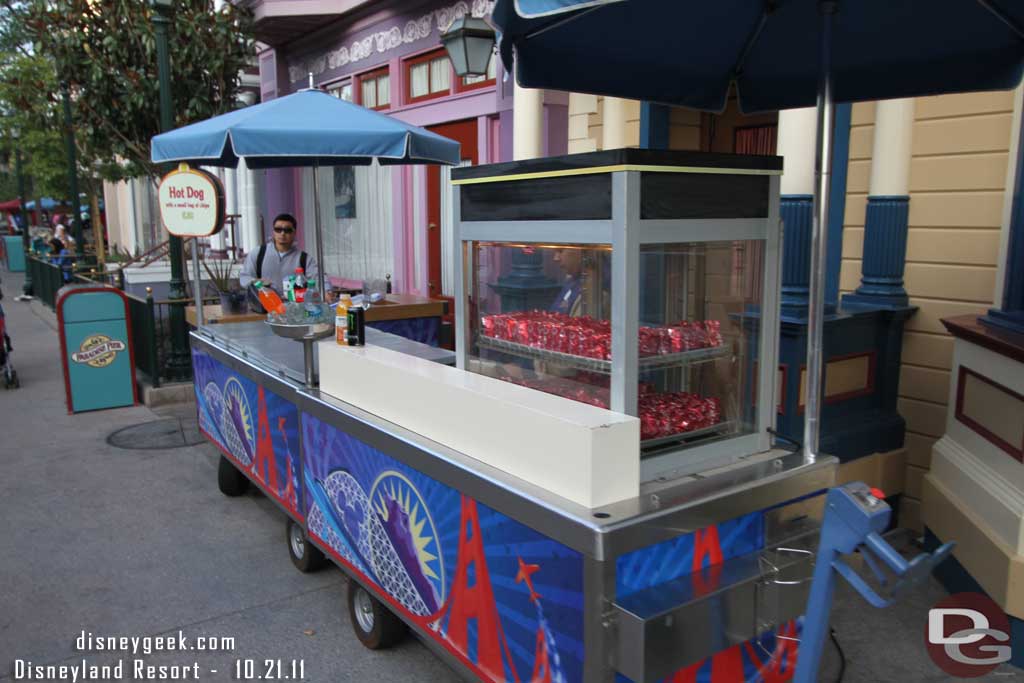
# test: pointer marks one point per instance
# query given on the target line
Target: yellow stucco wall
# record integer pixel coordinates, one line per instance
(586, 123)
(957, 183)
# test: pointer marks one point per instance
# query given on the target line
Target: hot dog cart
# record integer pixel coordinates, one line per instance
(592, 492)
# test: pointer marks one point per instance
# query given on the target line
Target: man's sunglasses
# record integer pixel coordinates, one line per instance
(285, 231)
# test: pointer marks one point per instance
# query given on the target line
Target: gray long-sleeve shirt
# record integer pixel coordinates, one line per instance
(277, 266)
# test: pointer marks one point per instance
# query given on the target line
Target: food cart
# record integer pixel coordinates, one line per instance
(592, 491)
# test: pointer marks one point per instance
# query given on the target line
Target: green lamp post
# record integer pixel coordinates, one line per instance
(178, 365)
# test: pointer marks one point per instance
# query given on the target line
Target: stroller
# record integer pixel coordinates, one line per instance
(10, 374)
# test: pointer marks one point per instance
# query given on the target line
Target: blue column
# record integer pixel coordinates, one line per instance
(885, 254)
(797, 212)
(1010, 313)
(837, 203)
(653, 126)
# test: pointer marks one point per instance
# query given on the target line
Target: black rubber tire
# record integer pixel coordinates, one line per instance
(388, 630)
(15, 381)
(230, 481)
(307, 558)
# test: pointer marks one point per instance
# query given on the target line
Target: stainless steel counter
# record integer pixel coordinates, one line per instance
(256, 342)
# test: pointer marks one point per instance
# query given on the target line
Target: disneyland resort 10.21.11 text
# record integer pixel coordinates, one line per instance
(134, 667)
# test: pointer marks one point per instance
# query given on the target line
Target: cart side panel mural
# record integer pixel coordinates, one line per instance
(683, 555)
(257, 429)
(504, 599)
(771, 658)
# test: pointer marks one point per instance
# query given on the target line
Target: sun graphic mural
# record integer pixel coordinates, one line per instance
(237, 422)
(407, 518)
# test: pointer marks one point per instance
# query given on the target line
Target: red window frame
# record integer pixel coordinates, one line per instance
(407, 66)
(357, 86)
(486, 83)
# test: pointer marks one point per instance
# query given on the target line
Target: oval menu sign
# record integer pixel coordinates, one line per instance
(191, 202)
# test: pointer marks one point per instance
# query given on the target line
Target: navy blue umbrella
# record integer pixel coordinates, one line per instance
(689, 52)
(307, 128)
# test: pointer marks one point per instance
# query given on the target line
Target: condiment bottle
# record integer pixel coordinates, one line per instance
(341, 319)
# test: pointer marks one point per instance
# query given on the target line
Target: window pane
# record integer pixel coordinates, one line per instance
(492, 73)
(370, 93)
(439, 74)
(419, 80)
(345, 92)
(383, 91)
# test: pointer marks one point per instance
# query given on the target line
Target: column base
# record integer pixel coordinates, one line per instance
(1005, 320)
(860, 299)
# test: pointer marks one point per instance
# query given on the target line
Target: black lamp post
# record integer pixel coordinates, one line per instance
(470, 43)
(26, 242)
(76, 220)
(178, 363)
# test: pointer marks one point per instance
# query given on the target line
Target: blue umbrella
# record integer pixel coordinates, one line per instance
(307, 128)
(48, 204)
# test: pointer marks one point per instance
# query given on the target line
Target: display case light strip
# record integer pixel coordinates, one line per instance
(620, 167)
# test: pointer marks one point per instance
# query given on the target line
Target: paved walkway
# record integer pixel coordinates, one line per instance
(141, 543)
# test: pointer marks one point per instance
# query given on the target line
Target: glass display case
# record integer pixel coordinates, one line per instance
(644, 282)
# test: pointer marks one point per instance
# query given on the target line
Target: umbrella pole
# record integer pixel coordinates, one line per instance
(819, 603)
(318, 233)
(198, 286)
(819, 237)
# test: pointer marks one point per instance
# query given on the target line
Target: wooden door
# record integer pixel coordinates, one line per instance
(463, 132)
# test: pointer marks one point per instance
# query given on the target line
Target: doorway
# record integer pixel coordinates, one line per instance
(465, 133)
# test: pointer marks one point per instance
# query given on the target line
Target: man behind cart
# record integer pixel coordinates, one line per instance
(276, 260)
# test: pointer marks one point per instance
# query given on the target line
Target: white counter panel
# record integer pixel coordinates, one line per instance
(588, 455)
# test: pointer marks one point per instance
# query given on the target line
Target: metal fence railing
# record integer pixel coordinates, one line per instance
(47, 279)
(150, 328)
(145, 339)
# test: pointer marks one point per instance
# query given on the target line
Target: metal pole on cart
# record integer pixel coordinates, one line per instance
(198, 286)
(317, 231)
(819, 235)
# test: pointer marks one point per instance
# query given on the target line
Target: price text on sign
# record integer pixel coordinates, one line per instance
(191, 202)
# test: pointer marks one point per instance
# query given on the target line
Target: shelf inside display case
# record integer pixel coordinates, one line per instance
(672, 439)
(568, 360)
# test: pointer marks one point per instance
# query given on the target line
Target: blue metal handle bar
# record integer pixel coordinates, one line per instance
(861, 586)
(853, 520)
(885, 552)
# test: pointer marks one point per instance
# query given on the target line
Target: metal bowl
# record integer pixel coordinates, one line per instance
(306, 331)
(302, 332)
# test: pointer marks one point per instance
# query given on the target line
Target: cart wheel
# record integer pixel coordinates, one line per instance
(230, 481)
(306, 557)
(375, 625)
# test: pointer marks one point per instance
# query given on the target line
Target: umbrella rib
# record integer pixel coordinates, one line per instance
(769, 9)
(1002, 16)
(565, 20)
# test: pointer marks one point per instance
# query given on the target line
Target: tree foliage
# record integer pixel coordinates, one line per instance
(29, 105)
(107, 52)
